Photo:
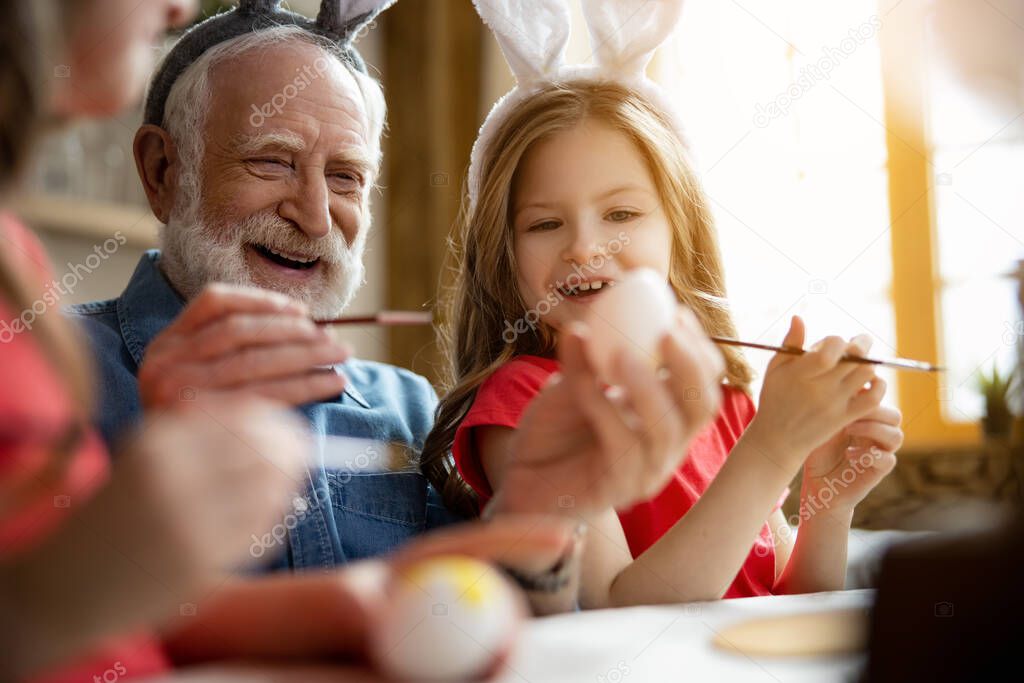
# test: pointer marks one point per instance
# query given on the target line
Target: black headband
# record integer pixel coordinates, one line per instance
(338, 21)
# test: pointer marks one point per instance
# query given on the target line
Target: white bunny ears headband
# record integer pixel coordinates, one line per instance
(533, 35)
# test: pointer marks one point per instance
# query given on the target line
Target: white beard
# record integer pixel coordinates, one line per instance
(197, 252)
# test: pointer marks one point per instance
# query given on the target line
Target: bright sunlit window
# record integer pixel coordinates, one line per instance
(786, 120)
(977, 155)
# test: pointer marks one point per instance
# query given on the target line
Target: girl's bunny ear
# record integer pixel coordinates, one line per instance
(532, 34)
(625, 33)
(344, 18)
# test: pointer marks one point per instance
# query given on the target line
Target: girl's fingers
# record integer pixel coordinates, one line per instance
(856, 378)
(823, 358)
(858, 346)
(886, 414)
(868, 399)
(794, 338)
(884, 436)
(881, 462)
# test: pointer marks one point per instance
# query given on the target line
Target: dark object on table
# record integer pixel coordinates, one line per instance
(950, 609)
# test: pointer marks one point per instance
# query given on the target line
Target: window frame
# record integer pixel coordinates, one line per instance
(916, 282)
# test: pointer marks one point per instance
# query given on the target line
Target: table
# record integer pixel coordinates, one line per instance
(628, 645)
(672, 643)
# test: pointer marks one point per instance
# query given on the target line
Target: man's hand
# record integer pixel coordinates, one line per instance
(582, 447)
(233, 340)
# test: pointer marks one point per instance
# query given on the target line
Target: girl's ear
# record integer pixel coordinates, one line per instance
(344, 18)
(625, 33)
(532, 34)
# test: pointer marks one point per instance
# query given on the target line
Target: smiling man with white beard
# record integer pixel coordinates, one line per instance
(259, 151)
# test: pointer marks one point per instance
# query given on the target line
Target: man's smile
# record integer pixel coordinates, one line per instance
(286, 259)
(279, 264)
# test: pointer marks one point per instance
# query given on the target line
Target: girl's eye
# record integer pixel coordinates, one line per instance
(621, 215)
(543, 226)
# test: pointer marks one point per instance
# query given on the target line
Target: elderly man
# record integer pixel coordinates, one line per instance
(260, 147)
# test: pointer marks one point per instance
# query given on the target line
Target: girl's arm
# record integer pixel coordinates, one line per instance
(837, 476)
(818, 560)
(698, 558)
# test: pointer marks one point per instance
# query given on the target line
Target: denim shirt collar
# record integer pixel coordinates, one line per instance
(149, 304)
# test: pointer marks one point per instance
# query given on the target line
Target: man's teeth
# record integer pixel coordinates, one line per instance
(291, 257)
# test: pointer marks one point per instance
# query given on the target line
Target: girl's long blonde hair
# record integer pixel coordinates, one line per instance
(481, 303)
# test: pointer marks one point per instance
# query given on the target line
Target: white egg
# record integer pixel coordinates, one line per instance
(448, 618)
(635, 313)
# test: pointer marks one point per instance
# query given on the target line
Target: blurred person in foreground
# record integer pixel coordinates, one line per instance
(94, 564)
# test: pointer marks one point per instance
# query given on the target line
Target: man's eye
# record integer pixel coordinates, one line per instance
(345, 181)
(279, 163)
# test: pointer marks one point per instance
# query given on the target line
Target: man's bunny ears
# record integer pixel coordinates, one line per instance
(533, 35)
(338, 21)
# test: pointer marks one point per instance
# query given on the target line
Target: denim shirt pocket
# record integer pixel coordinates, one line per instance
(376, 513)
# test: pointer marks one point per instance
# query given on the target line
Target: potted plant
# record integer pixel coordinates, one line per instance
(997, 420)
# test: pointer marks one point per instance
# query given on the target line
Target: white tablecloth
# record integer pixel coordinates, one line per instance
(671, 644)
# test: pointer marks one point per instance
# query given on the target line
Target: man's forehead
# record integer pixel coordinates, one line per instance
(294, 78)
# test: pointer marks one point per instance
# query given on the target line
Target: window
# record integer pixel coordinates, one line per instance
(821, 190)
(784, 106)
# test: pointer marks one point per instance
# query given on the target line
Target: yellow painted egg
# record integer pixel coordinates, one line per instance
(449, 618)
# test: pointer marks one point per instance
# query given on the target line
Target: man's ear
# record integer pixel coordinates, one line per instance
(155, 157)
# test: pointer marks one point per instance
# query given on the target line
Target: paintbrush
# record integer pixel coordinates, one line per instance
(383, 318)
(426, 318)
(898, 363)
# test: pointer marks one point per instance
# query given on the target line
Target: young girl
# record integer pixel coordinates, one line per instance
(578, 181)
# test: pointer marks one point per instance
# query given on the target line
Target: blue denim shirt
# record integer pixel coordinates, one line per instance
(345, 515)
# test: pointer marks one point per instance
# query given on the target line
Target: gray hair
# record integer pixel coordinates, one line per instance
(189, 99)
